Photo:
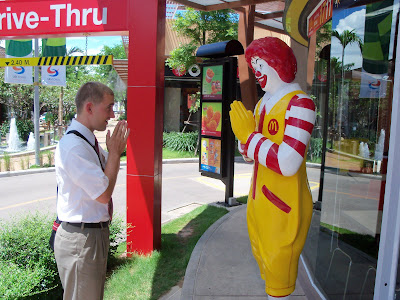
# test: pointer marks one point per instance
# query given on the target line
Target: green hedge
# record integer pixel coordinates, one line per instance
(24, 247)
(4, 128)
(314, 153)
(179, 141)
(27, 265)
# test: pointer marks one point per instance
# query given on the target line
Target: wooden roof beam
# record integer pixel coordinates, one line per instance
(272, 15)
(191, 4)
(235, 4)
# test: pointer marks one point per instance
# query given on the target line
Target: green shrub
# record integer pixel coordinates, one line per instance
(5, 128)
(24, 127)
(24, 245)
(49, 155)
(117, 235)
(315, 149)
(27, 264)
(35, 167)
(7, 161)
(17, 282)
(179, 141)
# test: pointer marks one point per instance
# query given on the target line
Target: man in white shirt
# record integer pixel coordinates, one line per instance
(86, 177)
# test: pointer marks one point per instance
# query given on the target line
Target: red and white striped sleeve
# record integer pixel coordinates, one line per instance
(286, 157)
(242, 151)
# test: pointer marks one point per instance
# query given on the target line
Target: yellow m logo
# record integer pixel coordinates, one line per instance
(273, 127)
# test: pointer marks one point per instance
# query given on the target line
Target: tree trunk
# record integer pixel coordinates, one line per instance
(60, 113)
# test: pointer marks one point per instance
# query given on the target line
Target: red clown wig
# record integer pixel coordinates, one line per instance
(277, 54)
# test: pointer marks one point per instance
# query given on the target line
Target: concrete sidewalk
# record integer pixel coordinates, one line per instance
(222, 266)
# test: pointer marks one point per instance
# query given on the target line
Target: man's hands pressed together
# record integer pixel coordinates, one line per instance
(116, 142)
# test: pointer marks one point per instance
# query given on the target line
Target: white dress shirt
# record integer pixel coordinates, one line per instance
(80, 178)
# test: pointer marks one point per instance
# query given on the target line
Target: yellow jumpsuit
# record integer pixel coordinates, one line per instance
(277, 237)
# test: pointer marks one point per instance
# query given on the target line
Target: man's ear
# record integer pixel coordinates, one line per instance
(88, 107)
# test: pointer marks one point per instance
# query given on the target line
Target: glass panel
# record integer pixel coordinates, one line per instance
(320, 94)
(343, 242)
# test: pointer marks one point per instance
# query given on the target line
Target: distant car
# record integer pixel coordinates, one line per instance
(42, 118)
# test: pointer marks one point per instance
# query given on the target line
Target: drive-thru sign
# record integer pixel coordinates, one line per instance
(46, 17)
(144, 23)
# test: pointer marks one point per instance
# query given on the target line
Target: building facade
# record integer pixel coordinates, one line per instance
(352, 247)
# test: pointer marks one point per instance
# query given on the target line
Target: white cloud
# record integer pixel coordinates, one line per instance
(354, 21)
(94, 51)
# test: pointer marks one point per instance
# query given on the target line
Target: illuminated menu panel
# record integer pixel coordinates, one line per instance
(211, 118)
(210, 155)
(212, 82)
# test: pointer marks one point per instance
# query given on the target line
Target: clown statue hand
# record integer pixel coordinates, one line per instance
(242, 121)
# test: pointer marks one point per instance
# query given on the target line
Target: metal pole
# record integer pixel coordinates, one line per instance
(389, 244)
(36, 107)
(230, 137)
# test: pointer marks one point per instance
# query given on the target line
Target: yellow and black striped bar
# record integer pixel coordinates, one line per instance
(56, 61)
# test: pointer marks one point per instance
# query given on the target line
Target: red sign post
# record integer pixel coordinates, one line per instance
(144, 22)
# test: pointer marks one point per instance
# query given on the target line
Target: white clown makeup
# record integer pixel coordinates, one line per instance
(267, 76)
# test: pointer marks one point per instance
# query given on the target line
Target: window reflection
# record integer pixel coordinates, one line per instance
(343, 243)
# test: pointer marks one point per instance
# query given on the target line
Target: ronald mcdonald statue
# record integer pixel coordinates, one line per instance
(276, 137)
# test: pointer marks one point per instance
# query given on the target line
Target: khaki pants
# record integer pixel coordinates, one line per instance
(81, 256)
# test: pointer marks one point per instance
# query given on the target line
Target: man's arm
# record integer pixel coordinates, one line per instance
(116, 144)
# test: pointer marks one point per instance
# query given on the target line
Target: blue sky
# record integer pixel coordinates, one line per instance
(348, 19)
(95, 43)
(354, 19)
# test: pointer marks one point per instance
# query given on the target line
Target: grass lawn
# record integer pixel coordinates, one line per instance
(167, 154)
(242, 199)
(149, 277)
(364, 242)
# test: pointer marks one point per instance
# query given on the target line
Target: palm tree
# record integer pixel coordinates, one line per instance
(74, 50)
(345, 38)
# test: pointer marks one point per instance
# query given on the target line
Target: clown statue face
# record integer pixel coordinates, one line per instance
(275, 137)
(267, 77)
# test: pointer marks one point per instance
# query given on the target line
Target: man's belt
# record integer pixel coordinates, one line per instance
(90, 225)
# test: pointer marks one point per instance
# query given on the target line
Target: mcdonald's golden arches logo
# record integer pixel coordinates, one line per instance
(273, 127)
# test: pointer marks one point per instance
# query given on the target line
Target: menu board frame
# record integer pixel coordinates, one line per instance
(210, 128)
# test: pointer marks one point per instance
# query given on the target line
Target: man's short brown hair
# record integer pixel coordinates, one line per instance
(93, 92)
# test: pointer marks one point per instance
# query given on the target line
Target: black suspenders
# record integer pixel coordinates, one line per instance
(77, 133)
